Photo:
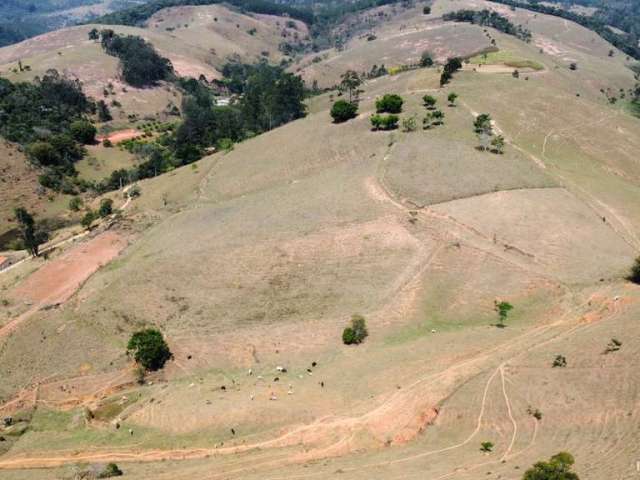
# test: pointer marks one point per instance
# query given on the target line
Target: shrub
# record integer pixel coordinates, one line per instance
(75, 204)
(149, 349)
(409, 124)
(106, 207)
(426, 60)
(389, 103)
(634, 275)
(426, 10)
(83, 131)
(357, 332)
(384, 122)
(111, 470)
(482, 123)
(107, 143)
(429, 101)
(560, 361)
(486, 447)
(341, 111)
(613, 346)
(559, 467)
(452, 98)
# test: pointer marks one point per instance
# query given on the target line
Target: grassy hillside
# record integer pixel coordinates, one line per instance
(256, 258)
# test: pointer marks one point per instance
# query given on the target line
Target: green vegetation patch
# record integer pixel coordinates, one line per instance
(504, 57)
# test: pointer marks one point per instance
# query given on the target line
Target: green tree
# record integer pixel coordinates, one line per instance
(83, 132)
(356, 332)
(634, 275)
(389, 103)
(426, 10)
(438, 117)
(31, 236)
(106, 207)
(452, 99)
(104, 115)
(482, 124)
(559, 467)
(341, 111)
(149, 349)
(486, 447)
(43, 153)
(429, 102)
(93, 34)
(503, 309)
(349, 82)
(88, 219)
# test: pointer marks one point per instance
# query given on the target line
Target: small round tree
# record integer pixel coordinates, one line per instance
(357, 332)
(389, 103)
(149, 349)
(341, 111)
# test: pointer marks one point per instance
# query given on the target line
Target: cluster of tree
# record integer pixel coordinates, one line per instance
(270, 97)
(451, 67)
(140, 64)
(622, 15)
(483, 127)
(488, 18)
(356, 332)
(558, 467)
(49, 117)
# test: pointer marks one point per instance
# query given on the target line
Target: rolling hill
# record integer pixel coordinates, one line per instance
(252, 261)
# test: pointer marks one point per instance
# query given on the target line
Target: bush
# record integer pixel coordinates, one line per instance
(426, 60)
(83, 132)
(560, 361)
(107, 143)
(106, 207)
(341, 111)
(486, 447)
(429, 101)
(384, 122)
(88, 219)
(149, 349)
(357, 332)
(75, 204)
(426, 10)
(111, 470)
(634, 275)
(503, 309)
(389, 103)
(409, 124)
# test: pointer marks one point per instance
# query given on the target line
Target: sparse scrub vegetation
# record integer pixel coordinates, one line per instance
(613, 346)
(110, 470)
(486, 447)
(559, 362)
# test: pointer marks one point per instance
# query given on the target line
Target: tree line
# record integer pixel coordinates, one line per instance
(488, 18)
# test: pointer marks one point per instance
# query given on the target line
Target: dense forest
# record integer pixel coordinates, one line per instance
(140, 64)
(599, 23)
(490, 19)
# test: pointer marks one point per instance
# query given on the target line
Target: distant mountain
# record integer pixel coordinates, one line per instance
(21, 19)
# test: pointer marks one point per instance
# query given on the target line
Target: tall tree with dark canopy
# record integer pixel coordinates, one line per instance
(31, 236)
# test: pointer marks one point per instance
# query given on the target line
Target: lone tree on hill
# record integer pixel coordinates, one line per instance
(349, 82)
(559, 467)
(634, 275)
(503, 309)
(341, 111)
(32, 237)
(357, 332)
(149, 349)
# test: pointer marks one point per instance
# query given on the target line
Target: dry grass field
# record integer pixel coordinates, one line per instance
(257, 258)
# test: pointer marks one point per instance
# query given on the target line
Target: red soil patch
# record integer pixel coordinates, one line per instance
(57, 280)
(120, 136)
